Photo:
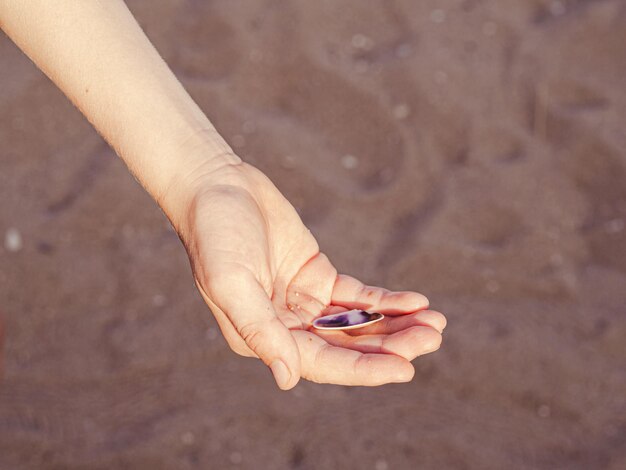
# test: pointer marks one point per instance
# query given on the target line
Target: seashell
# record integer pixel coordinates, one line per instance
(347, 320)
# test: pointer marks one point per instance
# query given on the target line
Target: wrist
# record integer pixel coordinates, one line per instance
(201, 156)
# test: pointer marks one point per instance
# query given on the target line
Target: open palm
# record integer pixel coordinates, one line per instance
(261, 272)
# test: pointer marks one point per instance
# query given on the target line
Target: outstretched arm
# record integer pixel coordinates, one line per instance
(256, 265)
(97, 54)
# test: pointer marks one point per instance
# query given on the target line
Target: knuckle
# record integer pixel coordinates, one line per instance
(315, 374)
(362, 366)
(253, 334)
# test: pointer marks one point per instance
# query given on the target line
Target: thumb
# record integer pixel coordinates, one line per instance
(251, 312)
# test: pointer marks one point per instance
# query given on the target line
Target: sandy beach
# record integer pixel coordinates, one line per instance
(474, 151)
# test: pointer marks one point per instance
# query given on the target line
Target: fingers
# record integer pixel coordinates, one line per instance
(352, 293)
(249, 309)
(325, 363)
(390, 325)
(409, 343)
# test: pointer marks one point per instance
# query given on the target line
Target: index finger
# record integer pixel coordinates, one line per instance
(351, 293)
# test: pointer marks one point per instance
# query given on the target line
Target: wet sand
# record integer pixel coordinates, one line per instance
(471, 150)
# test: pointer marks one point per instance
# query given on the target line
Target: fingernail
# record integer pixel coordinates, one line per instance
(281, 373)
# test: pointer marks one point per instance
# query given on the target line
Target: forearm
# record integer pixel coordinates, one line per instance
(97, 54)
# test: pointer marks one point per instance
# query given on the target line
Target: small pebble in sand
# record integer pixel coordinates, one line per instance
(490, 28)
(288, 162)
(13, 240)
(569, 280)
(187, 438)
(614, 226)
(557, 8)
(437, 16)
(158, 300)
(381, 464)
(543, 411)
(236, 458)
(360, 41)
(493, 286)
(349, 162)
(239, 141)
(401, 111)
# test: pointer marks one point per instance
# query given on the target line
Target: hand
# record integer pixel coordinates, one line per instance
(257, 266)
(260, 271)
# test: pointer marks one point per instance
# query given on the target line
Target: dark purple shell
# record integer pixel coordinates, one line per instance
(347, 320)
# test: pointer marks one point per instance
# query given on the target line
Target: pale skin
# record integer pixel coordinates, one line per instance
(256, 265)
